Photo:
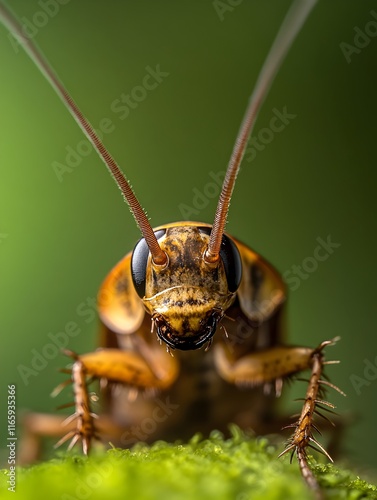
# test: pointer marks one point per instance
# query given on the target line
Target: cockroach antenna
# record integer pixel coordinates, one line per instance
(200, 277)
(14, 26)
(290, 27)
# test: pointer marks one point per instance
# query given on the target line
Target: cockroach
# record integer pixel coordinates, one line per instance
(191, 285)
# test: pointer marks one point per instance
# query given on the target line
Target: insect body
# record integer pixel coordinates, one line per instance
(190, 285)
(184, 312)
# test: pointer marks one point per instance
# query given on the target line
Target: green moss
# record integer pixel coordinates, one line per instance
(240, 468)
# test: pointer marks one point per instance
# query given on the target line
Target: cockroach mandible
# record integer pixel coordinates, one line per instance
(191, 284)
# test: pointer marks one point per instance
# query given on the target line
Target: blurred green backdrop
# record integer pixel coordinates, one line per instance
(313, 179)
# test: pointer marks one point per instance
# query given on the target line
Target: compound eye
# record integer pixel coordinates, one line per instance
(232, 263)
(231, 259)
(139, 262)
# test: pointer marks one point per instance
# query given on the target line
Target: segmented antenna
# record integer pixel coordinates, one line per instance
(289, 29)
(10, 21)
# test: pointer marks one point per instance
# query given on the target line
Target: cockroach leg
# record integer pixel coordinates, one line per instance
(85, 429)
(120, 368)
(303, 434)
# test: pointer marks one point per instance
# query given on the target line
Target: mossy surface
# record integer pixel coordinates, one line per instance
(239, 468)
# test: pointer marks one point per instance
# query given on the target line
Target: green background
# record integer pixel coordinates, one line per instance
(316, 178)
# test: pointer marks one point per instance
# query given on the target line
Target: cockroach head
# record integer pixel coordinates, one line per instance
(186, 297)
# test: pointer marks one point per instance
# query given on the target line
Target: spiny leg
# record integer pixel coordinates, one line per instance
(85, 429)
(303, 434)
(273, 365)
(37, 426)
(152, 370)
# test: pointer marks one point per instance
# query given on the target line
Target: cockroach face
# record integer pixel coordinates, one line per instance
(187, 297)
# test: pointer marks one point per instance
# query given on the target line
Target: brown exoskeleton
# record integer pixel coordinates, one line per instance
(191, 285)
